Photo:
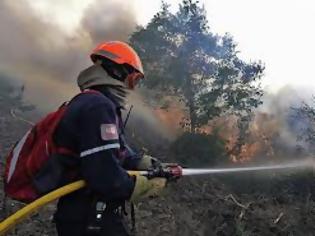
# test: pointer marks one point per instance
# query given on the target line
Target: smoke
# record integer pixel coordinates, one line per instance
(37, 52)
(146, 129)
(279, 107)
(41, 55)
(30, 44)
(110, 20)
(274, 131)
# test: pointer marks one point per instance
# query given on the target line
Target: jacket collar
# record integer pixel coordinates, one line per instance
(110, 96)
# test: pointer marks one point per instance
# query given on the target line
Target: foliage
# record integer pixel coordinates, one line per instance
(198, 149)
(183, 58)
(304, 119)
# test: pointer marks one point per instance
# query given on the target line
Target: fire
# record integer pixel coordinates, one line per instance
(263, 130)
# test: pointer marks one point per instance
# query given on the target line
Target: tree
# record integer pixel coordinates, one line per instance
(183, 58)
(303, 120)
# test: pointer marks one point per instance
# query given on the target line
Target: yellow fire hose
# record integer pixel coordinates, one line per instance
(26, 211)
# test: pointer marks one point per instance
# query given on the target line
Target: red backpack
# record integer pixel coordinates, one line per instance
(30, 154)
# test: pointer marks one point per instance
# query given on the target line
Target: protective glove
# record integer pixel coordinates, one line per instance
(148, 162)
(147, 188)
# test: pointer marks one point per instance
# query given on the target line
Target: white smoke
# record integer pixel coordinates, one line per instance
(36, 51)
(45, 58)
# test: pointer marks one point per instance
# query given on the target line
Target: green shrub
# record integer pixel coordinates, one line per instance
(198, 149)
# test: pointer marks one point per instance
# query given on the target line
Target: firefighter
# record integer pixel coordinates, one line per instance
(92, 126)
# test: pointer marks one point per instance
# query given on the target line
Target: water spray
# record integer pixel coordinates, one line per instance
(174, 171)
(293, 165)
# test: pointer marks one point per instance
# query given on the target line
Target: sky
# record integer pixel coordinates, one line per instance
(278, 32)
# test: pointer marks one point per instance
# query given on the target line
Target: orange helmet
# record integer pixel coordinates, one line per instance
(118, 52)
(122, 54)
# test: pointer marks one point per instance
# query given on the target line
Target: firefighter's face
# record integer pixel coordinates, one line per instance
(123, 73)
(133, 79)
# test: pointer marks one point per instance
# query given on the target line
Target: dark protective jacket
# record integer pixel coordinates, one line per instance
(92, 127)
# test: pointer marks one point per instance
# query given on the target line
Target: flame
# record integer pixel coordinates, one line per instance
(263, 130)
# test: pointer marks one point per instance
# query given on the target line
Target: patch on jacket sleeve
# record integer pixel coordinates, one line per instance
(109, 132)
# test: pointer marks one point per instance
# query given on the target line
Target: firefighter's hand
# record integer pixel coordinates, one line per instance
(148, 162)
(147, 188)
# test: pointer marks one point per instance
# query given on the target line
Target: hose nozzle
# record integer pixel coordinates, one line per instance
(170, 171)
